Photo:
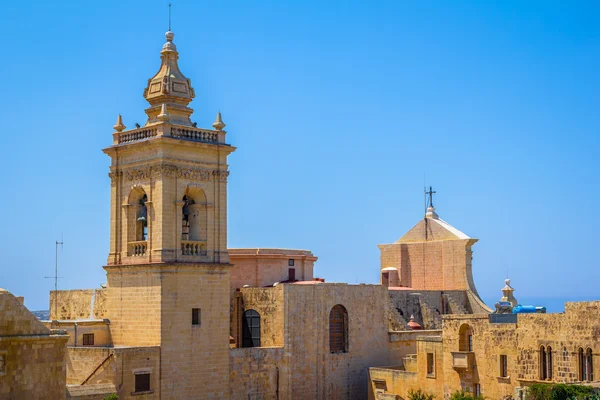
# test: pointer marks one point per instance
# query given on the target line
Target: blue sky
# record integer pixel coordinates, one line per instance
(338, 109)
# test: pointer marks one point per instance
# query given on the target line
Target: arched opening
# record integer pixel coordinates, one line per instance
(250, 329)
(590, 365)
(543, 363)
(586, 365)
(549, 362)
(338, 329)
(141, 221)
(465, 338)
(194, 222)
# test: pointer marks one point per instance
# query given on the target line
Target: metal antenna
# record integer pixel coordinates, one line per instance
(169, 16)
(56, 277)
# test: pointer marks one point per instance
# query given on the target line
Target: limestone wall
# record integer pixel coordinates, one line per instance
(78, 304)
(116, 366)
(268, 302)
(258, 373)
(32, 357)
(315, 372)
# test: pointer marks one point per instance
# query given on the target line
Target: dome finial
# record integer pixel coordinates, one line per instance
(119, 127)
(219, 124)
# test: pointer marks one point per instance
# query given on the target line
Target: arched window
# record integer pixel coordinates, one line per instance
(141, 223)
(586, 366)
(338, 329)
(549, 362)
(590, 365)
(543, 364)
(250, 329)
(465, 338)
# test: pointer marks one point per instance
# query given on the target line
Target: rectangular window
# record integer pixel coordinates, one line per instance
(430, 364)
(142, 383)
(503, 366)
(292, 274)
(470, 342)
(291, 262)
(477, 390)
(88, 339)
(195, 316)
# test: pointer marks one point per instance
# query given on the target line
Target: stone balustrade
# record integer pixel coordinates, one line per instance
(136, 249)
(193, 248)
(136, 134)
(197, 135)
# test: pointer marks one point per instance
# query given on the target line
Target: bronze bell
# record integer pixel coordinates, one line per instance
(142, 214)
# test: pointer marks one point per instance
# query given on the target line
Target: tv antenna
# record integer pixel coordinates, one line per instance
(56, 277)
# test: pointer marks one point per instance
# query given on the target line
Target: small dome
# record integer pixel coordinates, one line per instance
(415, 326)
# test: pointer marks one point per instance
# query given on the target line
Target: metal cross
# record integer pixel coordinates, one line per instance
(430, 193)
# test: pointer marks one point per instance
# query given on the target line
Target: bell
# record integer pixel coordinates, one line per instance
(142, 214)
(186, 209)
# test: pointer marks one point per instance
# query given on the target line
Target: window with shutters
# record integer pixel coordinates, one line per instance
(88, 339)
(251, 329)
(338, 329)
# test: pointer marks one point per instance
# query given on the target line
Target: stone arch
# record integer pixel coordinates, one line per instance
(194, 214)
(137, 214)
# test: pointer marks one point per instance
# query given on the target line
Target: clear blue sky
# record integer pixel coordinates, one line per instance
(338, 109)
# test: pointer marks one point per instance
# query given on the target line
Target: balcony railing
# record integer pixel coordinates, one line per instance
(137, 249)
(136, 134)
(193, 248)
(462, 359)
(197, 135)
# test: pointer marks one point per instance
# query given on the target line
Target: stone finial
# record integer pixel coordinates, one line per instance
(219, 124)
(119, 127)
(431, 213)
(164, 115)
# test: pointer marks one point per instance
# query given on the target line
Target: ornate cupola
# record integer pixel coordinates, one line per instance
(169, 90)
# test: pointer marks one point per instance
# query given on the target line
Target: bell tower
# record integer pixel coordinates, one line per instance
(168, 178)
(168, 266)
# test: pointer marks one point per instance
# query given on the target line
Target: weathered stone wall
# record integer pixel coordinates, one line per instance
(397, 380)
(258, 373)
(195, 358)
(78, 304)
(268, 302)
(32, 357)
(76, 330)
(116, 366)
(315, 372)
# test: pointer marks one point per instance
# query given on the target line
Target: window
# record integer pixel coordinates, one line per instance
(292, 274)
(195, 316)
(338, 329)
(543, 364)
(380, 385)
(291, 262)
(88, 339)
(477, 390)
(586, 367)
(142, 382)
(465, 338)
(430, 365)
(549, 362)
(503, 366)
(385, 278)
(141, 227)
(250, 329)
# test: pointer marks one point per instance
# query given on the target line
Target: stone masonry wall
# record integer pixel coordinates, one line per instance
(258, 373)
(78, 304)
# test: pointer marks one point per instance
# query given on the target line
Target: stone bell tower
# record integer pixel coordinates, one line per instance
(168, 266)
